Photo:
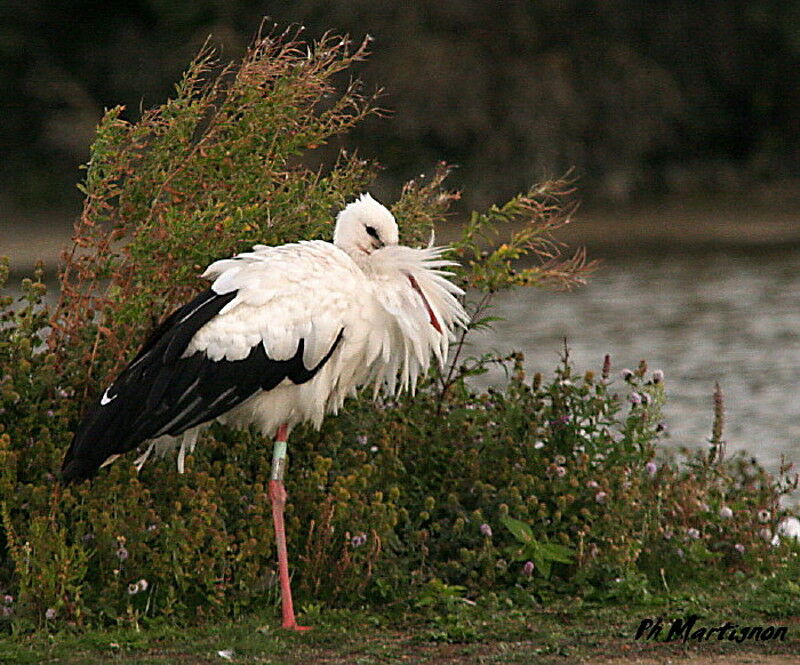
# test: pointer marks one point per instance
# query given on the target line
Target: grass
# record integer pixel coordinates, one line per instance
(493, 631)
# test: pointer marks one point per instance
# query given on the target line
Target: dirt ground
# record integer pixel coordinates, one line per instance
(697, 659)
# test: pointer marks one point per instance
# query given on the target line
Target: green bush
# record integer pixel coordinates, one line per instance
(547, 486)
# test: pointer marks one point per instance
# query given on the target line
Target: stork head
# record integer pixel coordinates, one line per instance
(364, 226)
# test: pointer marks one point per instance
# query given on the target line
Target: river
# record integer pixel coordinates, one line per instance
(729, 316)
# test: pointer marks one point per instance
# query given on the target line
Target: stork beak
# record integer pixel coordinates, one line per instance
(415, 285)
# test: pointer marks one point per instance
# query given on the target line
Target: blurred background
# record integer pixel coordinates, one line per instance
(679, 119)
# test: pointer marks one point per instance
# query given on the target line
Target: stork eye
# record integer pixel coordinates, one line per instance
(371, 231)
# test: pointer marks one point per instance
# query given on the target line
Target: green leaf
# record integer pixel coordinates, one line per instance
(521, 531)
(544, 566)
(556, 552)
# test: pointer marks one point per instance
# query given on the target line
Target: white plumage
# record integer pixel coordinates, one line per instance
(394, 305)
(283, 336)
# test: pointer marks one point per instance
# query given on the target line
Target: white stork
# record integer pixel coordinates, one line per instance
(283, 335)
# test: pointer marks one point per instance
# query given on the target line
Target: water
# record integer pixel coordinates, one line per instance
(732, 317)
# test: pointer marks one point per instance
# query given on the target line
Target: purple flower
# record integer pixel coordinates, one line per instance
(601, 497)
(50, 614)
(667, 534)
(693, 533)
(7, 611)
(8, 599)
(486, 530)
(362, 439)
(561, 471)
(646, 399)
(358, 540)
(592, 484)
(658, 376)
(725, 513)
(635, 399)
(766, 534)
(142, 584)
(651, 468)
(122, 554)
(527, 569)
(626, 374)
(739, 548)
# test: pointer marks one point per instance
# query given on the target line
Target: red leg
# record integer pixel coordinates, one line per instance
(277, 494)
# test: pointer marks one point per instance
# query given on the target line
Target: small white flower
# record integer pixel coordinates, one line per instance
(538, 445)
(739, 548)
(766, 534)
(226, 654)
(725, 513)
(658, 376)
(764, 516)
(601, 497)
(790, 527)
(693, 533)
(50, 614)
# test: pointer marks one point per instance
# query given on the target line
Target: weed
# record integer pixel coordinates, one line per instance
(390, 504)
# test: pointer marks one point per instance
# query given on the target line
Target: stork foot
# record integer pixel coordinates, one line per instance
(292, 625)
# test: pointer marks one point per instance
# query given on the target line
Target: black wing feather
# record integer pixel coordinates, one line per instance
(162, 393)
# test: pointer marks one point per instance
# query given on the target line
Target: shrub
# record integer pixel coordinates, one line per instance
(412, 494)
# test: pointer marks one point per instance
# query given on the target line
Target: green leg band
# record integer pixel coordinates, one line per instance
(278, 460)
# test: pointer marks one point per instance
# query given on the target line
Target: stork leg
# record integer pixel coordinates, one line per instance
(277, 494)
